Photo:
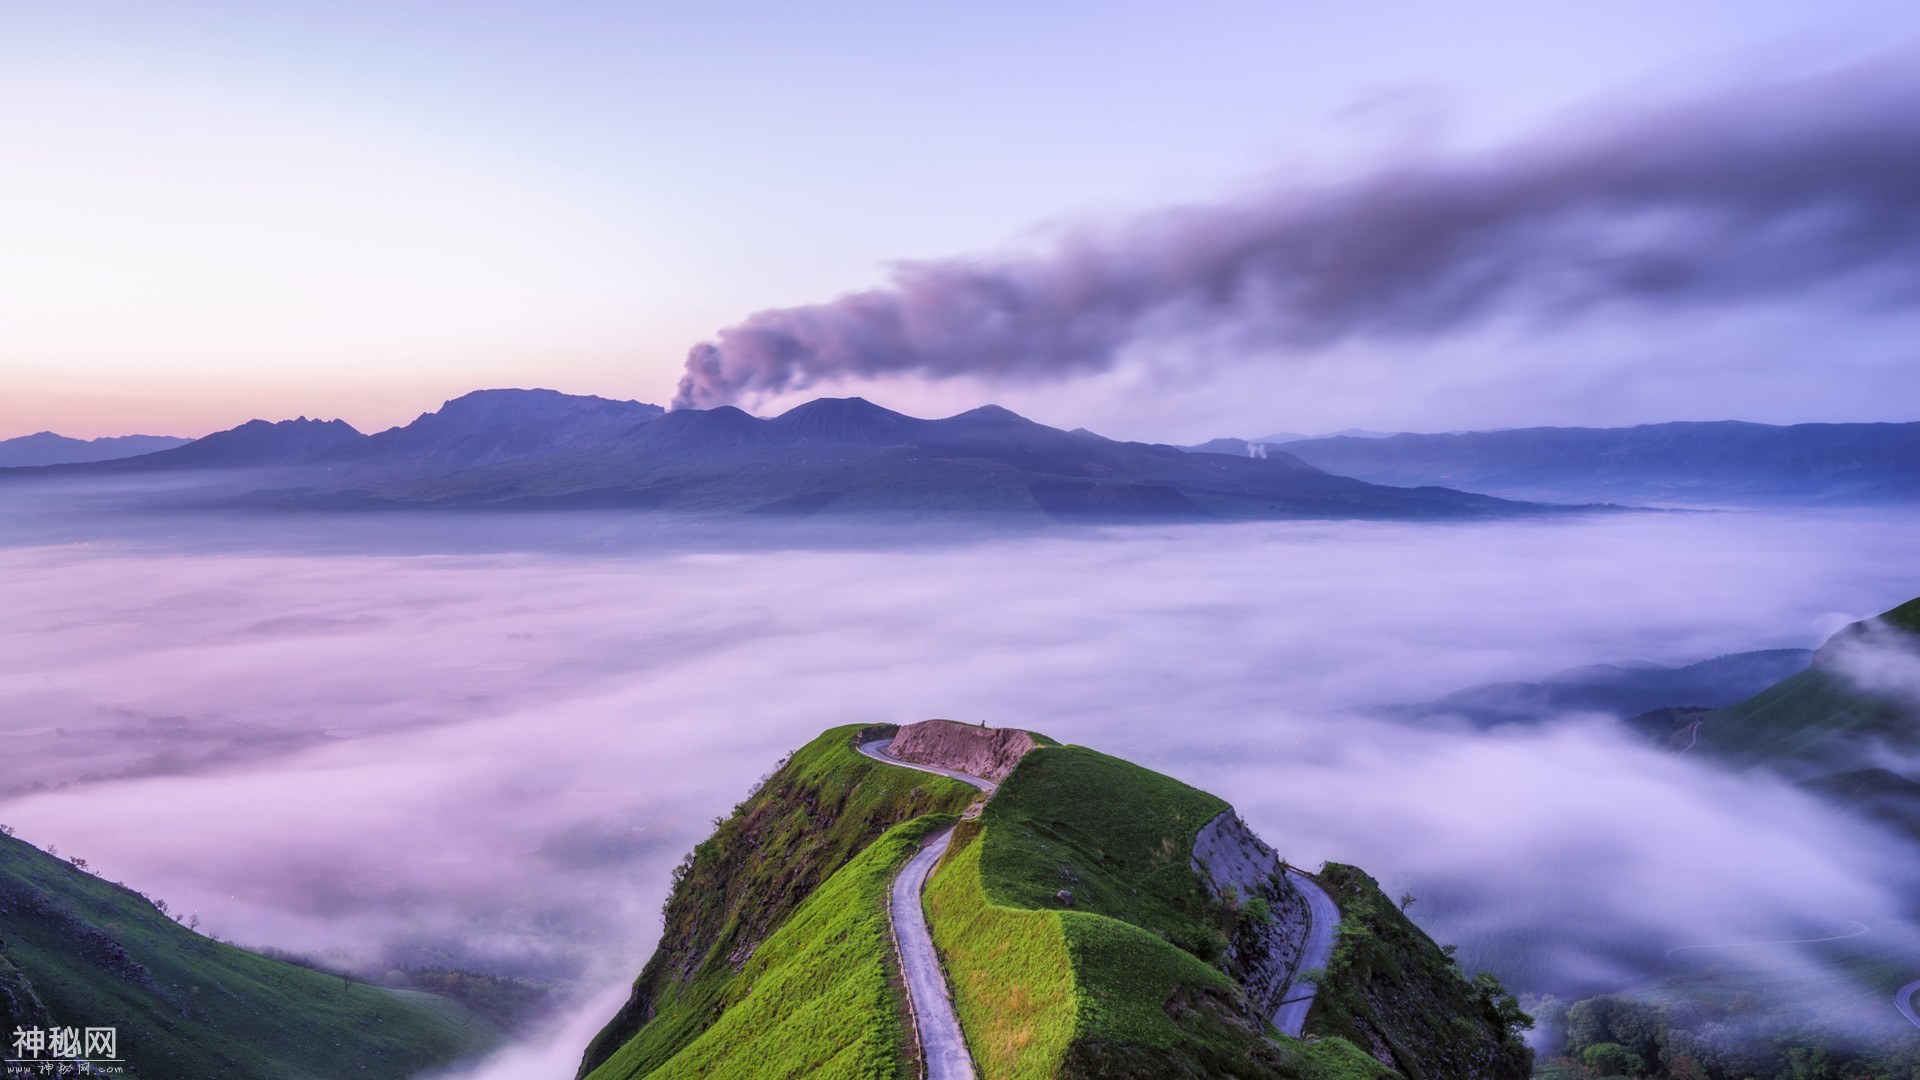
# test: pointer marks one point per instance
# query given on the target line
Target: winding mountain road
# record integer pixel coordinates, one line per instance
(1858, 929)
(942, 1046)
(1903, 1000)
(1323, 919)
(877, 750)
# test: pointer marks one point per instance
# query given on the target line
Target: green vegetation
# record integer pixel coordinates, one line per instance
(1127, 984)
(511, 1004)
(1078, 941)
(1814, 720)
(1115, 835)
(76, 951)
(817, 999)
(1688, 1040)
(1008, 969)
(1390, 987)
(812, 816)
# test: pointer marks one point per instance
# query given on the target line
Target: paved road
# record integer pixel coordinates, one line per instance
(1323, 919)
(1694, 739)
(942, 1047)
(1903, 1000)
(877, 750)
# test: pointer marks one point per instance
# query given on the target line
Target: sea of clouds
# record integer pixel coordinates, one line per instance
(486, 740)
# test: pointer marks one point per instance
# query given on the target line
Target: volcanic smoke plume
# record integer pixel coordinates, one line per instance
(1737, 198)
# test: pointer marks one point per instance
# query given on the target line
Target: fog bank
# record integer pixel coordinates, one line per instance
(494, 758)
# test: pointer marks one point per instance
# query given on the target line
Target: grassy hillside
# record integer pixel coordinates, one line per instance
(76, 951)
(818, 998)
(1817, 717)
(1821, 730)
(818, 811)
(1078, 940)
(1118, 979)
(1391, 989)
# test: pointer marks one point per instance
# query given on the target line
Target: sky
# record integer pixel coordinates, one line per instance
(211, 212)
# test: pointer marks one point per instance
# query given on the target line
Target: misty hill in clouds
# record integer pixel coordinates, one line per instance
(1848, 727)
(46, 448)
(1720, 461)
(1624, 690)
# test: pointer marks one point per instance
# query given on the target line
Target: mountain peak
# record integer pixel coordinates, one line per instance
(846, 420)
(992, 413)
(500, 406)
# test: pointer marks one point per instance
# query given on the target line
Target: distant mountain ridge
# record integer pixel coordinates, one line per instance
(489, 426)
(848, 454)
(539, 449)
(47, 448)
(254, 444)
(1710, 461)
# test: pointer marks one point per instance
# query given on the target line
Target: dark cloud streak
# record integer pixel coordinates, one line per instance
(1744, 197)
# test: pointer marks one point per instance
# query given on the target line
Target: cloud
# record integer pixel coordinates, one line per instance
(1756, 195)
(494, 755)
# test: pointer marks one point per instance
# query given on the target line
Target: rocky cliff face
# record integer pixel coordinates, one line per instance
(990, 753)
(1236, 867)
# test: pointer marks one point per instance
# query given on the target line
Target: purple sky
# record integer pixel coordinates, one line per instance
(217, 211)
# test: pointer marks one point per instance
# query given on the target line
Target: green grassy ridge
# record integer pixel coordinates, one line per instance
(1390, 988)
(1801, 718)
(819, 997)
(1007, 967)
(1139, 938)
(822, 807)
(1905, 617)
(78, 951)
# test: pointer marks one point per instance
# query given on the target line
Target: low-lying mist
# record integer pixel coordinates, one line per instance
(322, 735)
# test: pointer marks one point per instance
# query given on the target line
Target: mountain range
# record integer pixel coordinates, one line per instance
(541, 449)
(537, 449)
(46, 448)
(1688, 462)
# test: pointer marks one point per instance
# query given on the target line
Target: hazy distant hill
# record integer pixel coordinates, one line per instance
(46, 448)
(479, 428)
(489, 426)
(1243, 446)
(253, 445)
(1625, 690)
(538, 449)
(847, 454)
(1722, 461)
